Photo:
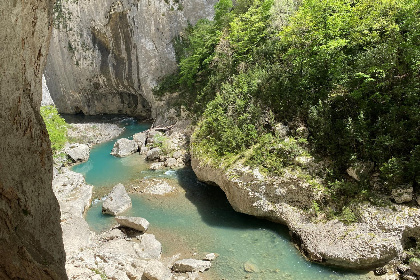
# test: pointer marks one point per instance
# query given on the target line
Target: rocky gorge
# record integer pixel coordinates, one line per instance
(123, 252)
(107, 56)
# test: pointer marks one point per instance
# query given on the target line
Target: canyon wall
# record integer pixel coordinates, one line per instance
(31, 245)
(106, 56)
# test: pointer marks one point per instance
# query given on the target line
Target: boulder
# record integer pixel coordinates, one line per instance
(191, 265)
(149, 248)
(117, 201)
(137, 223)
(171, 163)
(144, 150)
(157, 165)
(210, 257)
(77, 152)
(140, 139)
(402, 194)
(155, 270)
(124, 147)
(153, 154)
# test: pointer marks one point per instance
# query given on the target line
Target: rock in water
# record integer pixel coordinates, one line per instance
(191, 265)
(136, 223)
(250, 267)
(124, 147)
(140, 139)
(155, 270)
(117, 201)
(77, 152)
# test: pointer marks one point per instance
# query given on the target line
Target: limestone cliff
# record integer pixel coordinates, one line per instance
(106, 56)
(31, 245)
(380, 234)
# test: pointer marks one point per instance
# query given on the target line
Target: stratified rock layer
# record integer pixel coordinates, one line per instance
(378, 236)
(106, 56)
(31, 245)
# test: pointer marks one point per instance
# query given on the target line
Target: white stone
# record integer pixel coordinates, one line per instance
(117, 201)
(137, 223)
(124, 147)
(191, 265)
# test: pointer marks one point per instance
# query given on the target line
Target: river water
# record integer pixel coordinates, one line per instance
(198, 219)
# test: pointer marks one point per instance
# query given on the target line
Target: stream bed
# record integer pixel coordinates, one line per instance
(197, 219)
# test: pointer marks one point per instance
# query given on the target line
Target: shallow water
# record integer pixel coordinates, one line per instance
(198, 219)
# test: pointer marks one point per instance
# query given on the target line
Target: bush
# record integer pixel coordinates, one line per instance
(56, 127)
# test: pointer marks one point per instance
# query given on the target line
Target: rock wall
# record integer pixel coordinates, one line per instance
(31, 245)
(379, 236)
(106, 56)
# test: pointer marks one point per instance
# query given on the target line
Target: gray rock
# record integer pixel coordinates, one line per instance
(136, 223)
(402, 194)
(171, 163)
(77, 152)
(124, 147)
(149, 248)
(155, 270)
(191, 265)
(157, 165)
(117, 201)
(409, 275)
(140, 139)
(153, 154)
(159, 187)
(210, 257)
(178, 154)
(144, 150)
(281, 130)
(152, 134)
(402, 268)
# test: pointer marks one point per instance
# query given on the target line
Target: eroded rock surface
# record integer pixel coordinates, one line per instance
(106, 56)
(77, 152)
(117, 201)
(191, 265)
(376, 238)
(31, 244)
(137, 223)
(124, 147)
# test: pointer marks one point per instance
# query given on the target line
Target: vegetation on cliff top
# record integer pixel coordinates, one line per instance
(348, 71)
(56, 127)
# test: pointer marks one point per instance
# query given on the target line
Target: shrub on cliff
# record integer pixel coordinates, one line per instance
(349, 71)
(56, 127)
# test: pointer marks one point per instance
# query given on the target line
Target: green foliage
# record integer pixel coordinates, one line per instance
(347, 70)
(56, 127)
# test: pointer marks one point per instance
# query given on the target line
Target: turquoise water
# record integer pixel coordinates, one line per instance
(198, 219)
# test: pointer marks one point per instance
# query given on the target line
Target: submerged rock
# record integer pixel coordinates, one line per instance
(251, 267)
(159, 187)
(77, 152)
(210, 257)
(191, 265)
(117, 201)
(137, 223)
(124, 147)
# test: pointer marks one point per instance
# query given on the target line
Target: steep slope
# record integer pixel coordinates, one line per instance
(31, 245)
(106, 56)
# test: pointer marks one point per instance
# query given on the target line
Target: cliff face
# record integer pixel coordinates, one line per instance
(106, 56)
(31, 245)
